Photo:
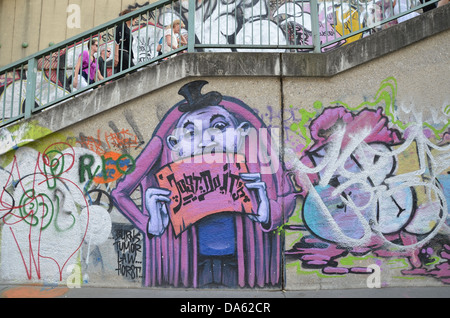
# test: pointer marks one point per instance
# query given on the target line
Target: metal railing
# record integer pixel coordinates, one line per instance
(55, 74)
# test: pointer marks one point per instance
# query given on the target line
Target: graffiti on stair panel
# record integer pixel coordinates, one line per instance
(268, 23)
(12, 93)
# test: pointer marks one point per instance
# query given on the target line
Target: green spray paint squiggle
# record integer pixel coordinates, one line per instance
(301, 128)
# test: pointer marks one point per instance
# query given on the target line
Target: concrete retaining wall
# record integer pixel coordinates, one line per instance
(348, 152)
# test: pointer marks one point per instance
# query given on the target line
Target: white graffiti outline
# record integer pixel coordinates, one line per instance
(333, 163)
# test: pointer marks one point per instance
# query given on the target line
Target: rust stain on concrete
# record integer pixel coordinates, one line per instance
(34, 292)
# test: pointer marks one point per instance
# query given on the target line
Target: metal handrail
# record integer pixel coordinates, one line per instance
(43, 79)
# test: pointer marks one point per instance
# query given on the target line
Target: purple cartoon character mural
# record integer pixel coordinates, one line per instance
(213, 195)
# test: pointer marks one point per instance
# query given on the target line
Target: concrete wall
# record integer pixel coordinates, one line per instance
(37, 24)
(357, 195)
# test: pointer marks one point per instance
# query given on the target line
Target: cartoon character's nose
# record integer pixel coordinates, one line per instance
(207, 140)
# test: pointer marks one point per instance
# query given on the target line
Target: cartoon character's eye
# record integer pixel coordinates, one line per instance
(189, 134)
(220, 125)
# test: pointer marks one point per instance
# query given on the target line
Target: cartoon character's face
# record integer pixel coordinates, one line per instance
(205, 131)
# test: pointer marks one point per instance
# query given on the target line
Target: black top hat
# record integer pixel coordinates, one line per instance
(195, 99)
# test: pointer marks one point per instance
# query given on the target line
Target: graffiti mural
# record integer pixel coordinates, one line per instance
(209, 148)
(221, 193)
(372, 185)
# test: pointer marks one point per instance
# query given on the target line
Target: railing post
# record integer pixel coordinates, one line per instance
(315, 25)
(191, 26)
(31, 87)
